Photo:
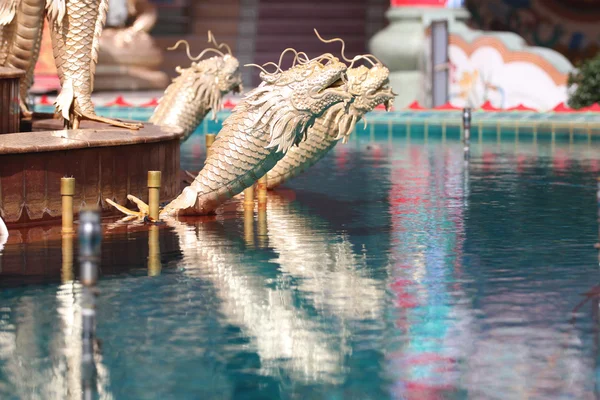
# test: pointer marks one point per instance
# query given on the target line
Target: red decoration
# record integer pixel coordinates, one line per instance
(382, 107)
(446, 107)
(521, 107)
(228, 104)
(419, 3)
(593, 108)
(151, 103)
(119, 101)
(44, 101)
(487, 106)
(415, 106)
(562, 107)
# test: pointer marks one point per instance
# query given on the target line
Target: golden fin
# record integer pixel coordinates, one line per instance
(64, 101)
(143, 207)
(56, 11)
(124, 210)
(8, 10)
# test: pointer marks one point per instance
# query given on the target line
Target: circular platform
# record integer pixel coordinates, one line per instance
(106, 162)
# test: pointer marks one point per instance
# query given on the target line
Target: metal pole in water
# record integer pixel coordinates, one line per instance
(90, 240)
(153, 194)
(67, 191)
(261, 188)
(249, 197)
(467, 132)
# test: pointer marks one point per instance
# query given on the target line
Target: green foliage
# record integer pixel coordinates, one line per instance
(584, 84)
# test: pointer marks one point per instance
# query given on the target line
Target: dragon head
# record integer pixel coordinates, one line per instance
(227, 76)
(313, 86)
(288, 101)
(211, 78)
(369, 87)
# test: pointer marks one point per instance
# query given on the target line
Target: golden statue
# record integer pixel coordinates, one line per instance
(262, 128)
(129, 58)
(21, 23)
(76, 27)
(369, 86)
(198, 89)
(285, 125)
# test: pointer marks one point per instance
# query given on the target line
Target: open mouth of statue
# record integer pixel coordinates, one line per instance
(385, 93)
(338, 83)
(338, 86)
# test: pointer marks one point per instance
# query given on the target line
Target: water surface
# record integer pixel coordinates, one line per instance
(389, 270)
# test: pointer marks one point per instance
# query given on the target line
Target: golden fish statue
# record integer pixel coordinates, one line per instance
(262, 128)
(75, 28)
(369, 88)
(21, 23)
(198, 89)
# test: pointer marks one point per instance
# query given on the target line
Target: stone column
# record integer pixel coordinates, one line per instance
(403, 45)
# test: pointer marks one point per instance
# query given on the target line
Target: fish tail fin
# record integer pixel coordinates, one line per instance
(8, 10)
(56, 11)
(65, 99)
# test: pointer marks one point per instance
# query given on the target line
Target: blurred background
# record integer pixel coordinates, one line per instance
(552, 35)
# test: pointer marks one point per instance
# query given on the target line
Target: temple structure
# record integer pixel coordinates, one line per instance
(484, 66)
(488, 62)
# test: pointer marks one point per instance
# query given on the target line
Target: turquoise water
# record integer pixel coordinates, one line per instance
(390, 270)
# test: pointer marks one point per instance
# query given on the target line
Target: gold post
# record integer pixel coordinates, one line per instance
(261, 189)
(67, 191)
(153, 193)
(154, 266)
(249, 197)
(210, 139)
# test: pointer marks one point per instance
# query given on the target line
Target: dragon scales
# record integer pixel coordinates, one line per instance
(369, 90)
(75, 28)
(198, 89)
(267, 122)
(21, 23)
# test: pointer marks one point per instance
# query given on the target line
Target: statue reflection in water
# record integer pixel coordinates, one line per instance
(263, 302)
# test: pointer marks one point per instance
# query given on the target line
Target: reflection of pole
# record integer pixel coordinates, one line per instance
(467, 132)
(261, 196)
(263, 238)
(90, 239)
(154, 266)
(249, 226)
(67, 258)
